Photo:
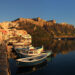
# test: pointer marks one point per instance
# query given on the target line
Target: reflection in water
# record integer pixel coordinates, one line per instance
(58, 64)
(62, 46)
(25, 70)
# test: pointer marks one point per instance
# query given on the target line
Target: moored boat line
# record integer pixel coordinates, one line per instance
(30, 55)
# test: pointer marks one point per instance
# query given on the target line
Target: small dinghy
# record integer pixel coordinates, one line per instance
(30, 61)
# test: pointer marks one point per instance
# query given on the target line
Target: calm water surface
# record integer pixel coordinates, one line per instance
(61, 62)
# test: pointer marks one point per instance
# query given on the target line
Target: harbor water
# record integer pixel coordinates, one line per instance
(61, 62)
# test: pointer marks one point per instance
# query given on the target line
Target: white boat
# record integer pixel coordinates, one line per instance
(33, 53)
(29, 51)
(30, 61)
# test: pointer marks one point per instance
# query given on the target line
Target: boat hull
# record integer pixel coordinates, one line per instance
(20, 64)
(30, 61)
(30, 55)
(49, 53)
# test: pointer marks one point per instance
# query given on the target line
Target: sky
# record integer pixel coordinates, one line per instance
(60, 10)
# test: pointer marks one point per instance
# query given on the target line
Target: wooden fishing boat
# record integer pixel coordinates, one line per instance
(33, 53)
(48, 53)
(30, 61)
(29, 51)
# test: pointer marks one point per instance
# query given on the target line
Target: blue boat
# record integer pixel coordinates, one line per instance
(30, 61)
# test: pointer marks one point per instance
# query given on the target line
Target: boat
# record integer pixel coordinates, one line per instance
(29, 51)
(48, 53)
(30, 61)
(30, 54)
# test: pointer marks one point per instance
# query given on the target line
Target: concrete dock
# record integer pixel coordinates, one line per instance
(4, 65)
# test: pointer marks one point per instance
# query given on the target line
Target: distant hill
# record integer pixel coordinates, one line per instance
(51, 27)
(43, 31)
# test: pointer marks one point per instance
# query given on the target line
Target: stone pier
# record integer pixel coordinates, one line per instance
(4, 65)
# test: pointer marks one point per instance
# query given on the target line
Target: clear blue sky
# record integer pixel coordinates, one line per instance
(60, 10)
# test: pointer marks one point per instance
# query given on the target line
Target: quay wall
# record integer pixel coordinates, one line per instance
(4, 64)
